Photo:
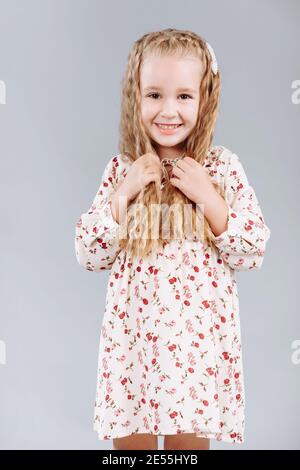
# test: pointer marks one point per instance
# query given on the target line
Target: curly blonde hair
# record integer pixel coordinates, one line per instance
(134, 141)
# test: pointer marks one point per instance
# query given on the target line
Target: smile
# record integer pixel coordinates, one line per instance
(168, 128)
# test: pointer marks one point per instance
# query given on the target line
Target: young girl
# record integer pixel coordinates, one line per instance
(170, 358)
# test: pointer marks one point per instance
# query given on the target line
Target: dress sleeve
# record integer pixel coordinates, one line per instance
(243, 244)
(96, 233)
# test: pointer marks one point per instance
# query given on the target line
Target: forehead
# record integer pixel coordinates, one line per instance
(182, 72)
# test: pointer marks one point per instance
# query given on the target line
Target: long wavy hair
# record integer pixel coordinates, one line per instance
(134, 142)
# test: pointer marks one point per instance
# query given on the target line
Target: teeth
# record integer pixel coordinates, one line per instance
(168, 126)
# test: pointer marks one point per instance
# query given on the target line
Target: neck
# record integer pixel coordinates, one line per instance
(170, 152)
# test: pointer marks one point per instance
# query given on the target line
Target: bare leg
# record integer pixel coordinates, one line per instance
(141, 441)
(185, 441)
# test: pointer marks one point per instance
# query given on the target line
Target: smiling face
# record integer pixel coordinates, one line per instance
(170, 95)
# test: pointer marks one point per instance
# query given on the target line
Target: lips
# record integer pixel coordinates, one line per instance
(170, 125)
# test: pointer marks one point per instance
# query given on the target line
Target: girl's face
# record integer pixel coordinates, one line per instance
(170, 95)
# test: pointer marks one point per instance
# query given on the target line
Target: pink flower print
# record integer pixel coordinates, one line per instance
(193, 393)
(189, 326)
(155, 350)
(137, 291)
(121, 358)
(104, 331)
(172, 391)
(162, 378)
(146, 423)
(140, 357)
(171, 323)
(186, 258)
(187, 291)
(191, 359)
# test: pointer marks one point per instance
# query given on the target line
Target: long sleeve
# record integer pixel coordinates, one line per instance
(243, 244)
(96, 240)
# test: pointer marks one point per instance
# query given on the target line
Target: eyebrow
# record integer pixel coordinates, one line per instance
(189, 90)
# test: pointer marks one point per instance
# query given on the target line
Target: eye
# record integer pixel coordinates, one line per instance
(185, 95)
(153, 94)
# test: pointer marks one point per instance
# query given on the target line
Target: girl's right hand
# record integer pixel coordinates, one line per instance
(143, 171)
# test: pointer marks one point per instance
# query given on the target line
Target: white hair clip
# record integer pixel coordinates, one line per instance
(214, 64)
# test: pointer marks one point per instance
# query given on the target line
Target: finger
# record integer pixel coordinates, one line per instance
(177, 171)
(190, 161)
(152, 177)
(176, 182)
(184, 166)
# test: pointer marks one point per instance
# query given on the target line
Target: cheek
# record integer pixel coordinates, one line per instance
(191, 112)
(148, 111)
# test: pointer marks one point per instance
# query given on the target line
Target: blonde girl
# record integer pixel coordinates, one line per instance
(173, 219)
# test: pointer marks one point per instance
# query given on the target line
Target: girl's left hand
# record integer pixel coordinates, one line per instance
(193, 180)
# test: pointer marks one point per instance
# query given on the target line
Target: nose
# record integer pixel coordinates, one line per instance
(168, 109)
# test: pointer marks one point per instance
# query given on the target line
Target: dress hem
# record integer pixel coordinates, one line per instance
(218, 436)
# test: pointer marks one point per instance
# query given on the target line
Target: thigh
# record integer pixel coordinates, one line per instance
(136, 441)
(185, 441)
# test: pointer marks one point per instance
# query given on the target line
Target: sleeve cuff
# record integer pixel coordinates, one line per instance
(101, 225)
(239, 234)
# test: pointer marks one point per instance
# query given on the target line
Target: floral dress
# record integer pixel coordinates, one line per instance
(170, 356)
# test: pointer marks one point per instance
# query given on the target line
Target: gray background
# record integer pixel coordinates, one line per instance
(62, 62)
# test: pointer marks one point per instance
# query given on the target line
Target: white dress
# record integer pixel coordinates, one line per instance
(170, 357)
